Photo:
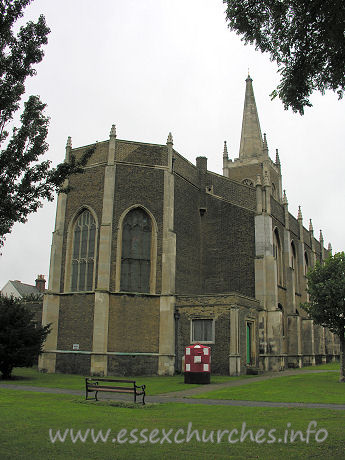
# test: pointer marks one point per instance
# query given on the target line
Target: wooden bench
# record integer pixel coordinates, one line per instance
(94, 384)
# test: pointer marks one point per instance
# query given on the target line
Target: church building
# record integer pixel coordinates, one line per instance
(152, 253)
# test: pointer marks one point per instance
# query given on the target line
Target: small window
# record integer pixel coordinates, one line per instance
(202, 330)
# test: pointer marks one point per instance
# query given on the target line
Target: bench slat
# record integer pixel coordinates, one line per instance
(111, 388)
(92, 379)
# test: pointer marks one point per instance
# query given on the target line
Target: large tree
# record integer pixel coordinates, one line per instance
(306, 38)
(326, 288)
(21, 339)
(25, 180)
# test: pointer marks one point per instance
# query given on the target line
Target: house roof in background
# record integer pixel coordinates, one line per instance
(23, 289)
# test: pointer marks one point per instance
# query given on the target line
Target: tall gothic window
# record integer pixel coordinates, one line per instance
(294, 265)
(277, 253)
(306, 263)
(83, 255)
(136, 252)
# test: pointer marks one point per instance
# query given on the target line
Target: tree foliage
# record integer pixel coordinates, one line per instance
(24, 180)
(306, 38)
(326, 288)
(21, 339)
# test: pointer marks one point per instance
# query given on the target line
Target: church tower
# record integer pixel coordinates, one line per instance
(253, 160)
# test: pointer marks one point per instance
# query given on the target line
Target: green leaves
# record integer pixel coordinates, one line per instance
(25, 180)
(305, 38)
(21, 340)
(18, 54)
(326, 288)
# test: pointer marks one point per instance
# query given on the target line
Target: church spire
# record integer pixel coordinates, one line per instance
(251, 138)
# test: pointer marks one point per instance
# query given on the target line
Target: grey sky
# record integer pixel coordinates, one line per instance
(154, 66)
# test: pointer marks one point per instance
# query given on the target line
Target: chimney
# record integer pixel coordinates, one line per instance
(40, 283)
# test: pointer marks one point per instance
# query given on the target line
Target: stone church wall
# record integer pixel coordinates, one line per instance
(185, 169)
(132, 365)
(140, 153)
(133, 324)
(249, 171)
(187, 221)
(100, 155)
(73, 363)
(75, 327)
(277, 210)
(238, 194)
(229, 236)
(76, 321)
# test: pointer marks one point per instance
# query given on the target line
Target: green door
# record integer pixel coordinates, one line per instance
(249, 343)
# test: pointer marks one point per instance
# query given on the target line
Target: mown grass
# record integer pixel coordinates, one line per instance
(304, 388)
(154, 384)
(27, 417)
(334, 366)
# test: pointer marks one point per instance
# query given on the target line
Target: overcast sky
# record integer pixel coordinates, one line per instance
(154, 66)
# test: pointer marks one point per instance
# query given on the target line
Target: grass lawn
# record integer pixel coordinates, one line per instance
(27, 417)
(307, 388)
(154, 385)
(335, 366)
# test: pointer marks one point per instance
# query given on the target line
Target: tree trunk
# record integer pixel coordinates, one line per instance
(342, 357)
(6, 372)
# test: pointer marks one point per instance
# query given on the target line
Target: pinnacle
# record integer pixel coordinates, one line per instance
(277, 158)
(113, 131)
(285, 201)
(170, 139)
(311, 226)
(265, 146)
(225, 152)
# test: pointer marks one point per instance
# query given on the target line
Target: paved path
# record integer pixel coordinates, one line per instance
(184, 395)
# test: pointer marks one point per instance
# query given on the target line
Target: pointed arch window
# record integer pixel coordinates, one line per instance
(280, 307)
(277, 253)
(83, 253)
(306, 263)
(136, 252)
(294, 265)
